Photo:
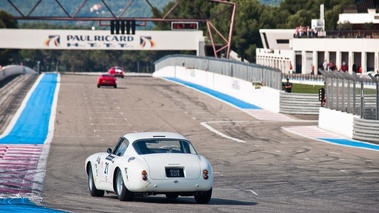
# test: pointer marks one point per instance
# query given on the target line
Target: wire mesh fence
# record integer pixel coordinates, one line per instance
(351, 93)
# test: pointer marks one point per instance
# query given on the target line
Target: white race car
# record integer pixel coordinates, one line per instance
(150, 163)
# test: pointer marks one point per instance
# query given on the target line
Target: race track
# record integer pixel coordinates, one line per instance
(259, 167)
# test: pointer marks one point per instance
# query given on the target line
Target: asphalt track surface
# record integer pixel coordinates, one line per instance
(259, 166)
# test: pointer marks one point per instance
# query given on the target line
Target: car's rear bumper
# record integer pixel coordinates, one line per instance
(172, 185)
(107, 85)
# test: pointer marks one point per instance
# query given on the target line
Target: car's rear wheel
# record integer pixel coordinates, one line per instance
(172, 196)
(123, 193)
(115, 86)
(204, 197)
(91, 184)
(98, 86)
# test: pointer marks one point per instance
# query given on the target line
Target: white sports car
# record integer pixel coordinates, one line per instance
(150, 163)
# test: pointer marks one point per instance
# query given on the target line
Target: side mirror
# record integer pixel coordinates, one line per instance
(109, 151)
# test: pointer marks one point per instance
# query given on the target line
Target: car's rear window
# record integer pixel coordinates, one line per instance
(143, 147)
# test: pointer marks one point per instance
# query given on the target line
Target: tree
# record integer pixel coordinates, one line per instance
(7, 23)
(8, 56)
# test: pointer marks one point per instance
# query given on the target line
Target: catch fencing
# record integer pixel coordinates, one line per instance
(355, 94)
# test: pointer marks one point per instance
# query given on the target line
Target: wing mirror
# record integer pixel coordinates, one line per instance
(109, 151)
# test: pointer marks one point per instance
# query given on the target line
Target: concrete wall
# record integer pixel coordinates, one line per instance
(11, 70)
(263, 97)
(336, 121)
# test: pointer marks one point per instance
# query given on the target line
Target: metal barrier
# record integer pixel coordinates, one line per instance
(249, 72)
(304, 77)
(299, 103)
(366, 130)
(356, 94)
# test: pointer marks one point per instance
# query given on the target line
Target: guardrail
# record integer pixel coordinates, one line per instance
(366, 130)
(299, 103)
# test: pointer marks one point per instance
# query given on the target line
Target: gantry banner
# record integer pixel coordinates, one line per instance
(99, 40)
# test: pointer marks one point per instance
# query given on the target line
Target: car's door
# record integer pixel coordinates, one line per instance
(103, 171)
(109, 163)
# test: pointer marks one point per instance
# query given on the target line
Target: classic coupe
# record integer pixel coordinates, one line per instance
(150, 163)
(106, 80)
(116, 71)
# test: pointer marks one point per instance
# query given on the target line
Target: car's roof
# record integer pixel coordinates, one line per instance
(116, 67)
(146, 135)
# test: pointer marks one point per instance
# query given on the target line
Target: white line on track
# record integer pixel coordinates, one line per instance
(248, 190)
(104, 130)
(205, 124)
(253, 192)
(111, 124)
(218, 173)
(334, 153)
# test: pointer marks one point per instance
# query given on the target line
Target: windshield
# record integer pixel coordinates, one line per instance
(143, 147)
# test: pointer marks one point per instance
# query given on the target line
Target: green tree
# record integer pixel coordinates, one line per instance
(7, 23)
(8, 56)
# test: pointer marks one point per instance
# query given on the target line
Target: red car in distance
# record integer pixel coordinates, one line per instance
(117, 71)
(106, 80)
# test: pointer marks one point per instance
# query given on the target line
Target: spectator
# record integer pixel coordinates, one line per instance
(297, 32)
(288, 86)
(315, 32)
(323, 96)
(291, 69)
(325, 65)
(302, 31)
(344, 67)
(354, 67)
(332, 66)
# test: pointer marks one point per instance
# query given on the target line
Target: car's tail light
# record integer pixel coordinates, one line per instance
(205, 174)
(144, 175)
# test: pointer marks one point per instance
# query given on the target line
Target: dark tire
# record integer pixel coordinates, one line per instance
(204, 197)
(115, 86)
(172, 196)
(91, 185)
(98, 86)
(123, 193)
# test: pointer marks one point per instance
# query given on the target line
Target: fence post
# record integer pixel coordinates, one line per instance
(362, 100)
(377, 100)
